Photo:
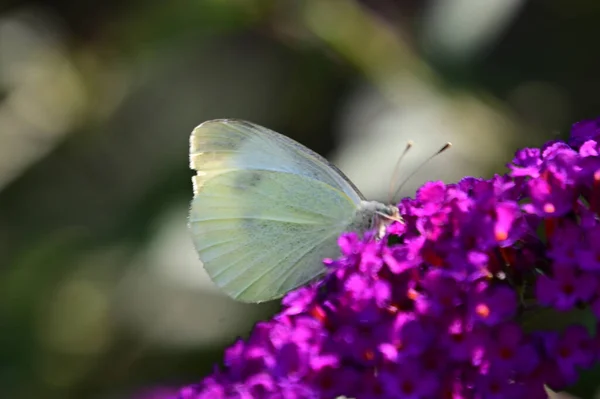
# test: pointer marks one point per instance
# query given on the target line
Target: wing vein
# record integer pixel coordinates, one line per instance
(311, 246)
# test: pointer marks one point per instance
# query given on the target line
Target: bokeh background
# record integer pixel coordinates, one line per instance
(101, 293)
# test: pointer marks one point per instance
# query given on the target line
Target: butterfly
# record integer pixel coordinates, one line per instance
(267, 210)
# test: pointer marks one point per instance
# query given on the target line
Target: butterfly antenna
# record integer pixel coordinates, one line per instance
(409, 145)
(438, 152)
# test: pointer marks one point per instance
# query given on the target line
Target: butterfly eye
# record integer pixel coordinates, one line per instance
(389, 214)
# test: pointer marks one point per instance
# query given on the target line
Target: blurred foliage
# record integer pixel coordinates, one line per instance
(97, 100)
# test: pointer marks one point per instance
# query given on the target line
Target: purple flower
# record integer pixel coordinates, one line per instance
(509, 351)
(404, 257)
(589, 149)
(408, 334)
(356, 343)
(408, 381)
(565, 243)
(440, 294)
(261, 385)
(565, 288)
(550, 197)
(584, 130)
(571, 350)
(527, 162)
(588, 255)
(431, 196)
(492, 305)
(498, 386)
(464, 343)
(296, 301)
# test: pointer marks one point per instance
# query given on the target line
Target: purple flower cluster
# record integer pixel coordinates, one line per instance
(443, 306)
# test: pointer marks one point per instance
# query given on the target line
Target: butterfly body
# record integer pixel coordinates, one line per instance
(267, 210)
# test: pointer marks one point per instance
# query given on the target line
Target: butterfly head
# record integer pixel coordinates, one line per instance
(389, 213)
(375, 215)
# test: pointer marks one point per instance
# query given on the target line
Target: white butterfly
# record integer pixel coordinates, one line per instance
(267, 210)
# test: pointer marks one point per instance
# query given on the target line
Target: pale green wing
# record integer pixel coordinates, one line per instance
(221, 145)
(266, 210)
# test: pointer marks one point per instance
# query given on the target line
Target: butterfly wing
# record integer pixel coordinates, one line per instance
(266, 210)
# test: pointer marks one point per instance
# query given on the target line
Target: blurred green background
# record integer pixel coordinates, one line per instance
(101, 293)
